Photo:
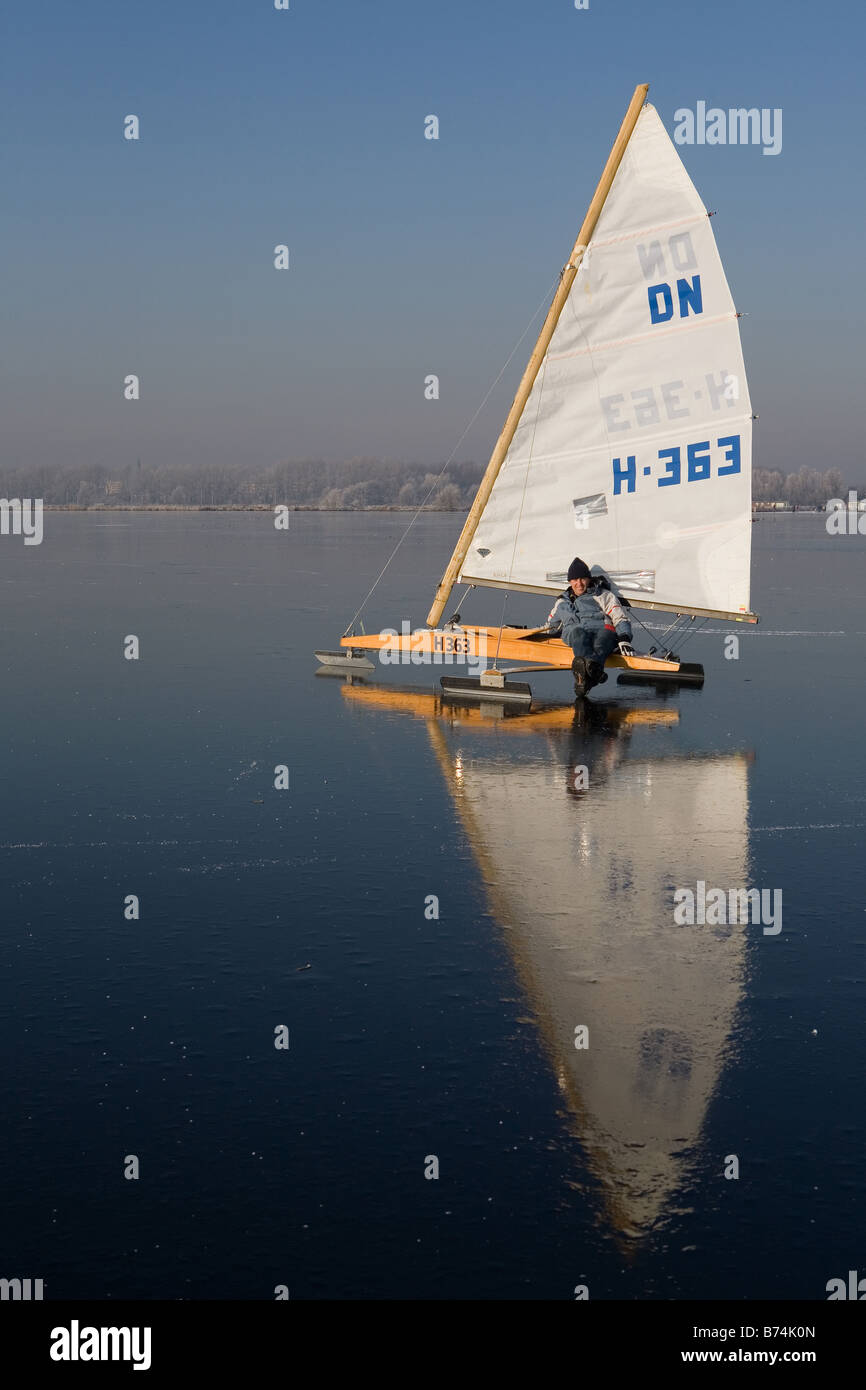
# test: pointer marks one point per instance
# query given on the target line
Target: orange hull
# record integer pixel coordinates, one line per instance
(496, 643)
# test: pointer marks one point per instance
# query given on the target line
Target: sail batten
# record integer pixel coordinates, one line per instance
(633, 447)
(649, 230)
(612, 343)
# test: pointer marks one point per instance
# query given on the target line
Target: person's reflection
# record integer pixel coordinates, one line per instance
(597, 742)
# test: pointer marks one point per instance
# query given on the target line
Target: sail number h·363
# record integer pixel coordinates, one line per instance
(704, 459)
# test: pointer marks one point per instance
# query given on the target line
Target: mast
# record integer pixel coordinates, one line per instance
(503, 443)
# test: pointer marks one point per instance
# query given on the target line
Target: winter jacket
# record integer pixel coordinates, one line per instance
(592, 610)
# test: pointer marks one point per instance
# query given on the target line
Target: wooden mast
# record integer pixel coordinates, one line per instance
(579, 249)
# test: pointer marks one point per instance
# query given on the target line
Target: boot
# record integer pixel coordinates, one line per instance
(595, 673)
(581, 686)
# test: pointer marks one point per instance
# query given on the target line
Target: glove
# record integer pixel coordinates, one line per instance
(626, 649)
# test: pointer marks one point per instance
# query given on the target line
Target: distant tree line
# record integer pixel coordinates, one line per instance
(362, 482)
(806, 488)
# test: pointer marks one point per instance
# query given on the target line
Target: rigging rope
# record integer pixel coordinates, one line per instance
(681, 642)
(460, 602)
(501, 627)
(450, 460)
(670, 635)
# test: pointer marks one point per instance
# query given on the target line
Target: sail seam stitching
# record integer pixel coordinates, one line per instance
(647, 231)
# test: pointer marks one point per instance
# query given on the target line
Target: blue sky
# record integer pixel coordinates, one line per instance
(408, 256)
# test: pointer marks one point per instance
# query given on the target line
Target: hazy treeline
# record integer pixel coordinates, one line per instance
(806, 488)
(361, 482)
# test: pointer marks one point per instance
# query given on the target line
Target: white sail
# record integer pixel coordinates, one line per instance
(634, 447)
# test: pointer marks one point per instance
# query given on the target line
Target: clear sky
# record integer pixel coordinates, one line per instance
(408, 256)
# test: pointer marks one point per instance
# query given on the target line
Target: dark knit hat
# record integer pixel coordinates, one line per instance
(578, 570)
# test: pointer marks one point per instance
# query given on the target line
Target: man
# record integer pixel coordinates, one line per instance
(593, 623)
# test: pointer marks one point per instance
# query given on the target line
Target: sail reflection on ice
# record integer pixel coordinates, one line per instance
(584, 881)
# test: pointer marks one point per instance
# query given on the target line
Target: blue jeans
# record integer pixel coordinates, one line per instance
(596, 644)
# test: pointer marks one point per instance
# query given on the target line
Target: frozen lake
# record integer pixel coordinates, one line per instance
(583, 1067)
